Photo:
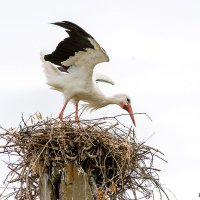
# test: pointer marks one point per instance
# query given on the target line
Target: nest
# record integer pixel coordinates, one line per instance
(117, 165)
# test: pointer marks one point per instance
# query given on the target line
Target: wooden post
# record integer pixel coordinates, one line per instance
(73, 184)
(45, 188)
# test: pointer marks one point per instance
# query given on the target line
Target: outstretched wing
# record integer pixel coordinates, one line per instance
(98, 77)
(79, 49)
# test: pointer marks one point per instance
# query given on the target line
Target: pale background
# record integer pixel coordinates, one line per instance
(154, 49)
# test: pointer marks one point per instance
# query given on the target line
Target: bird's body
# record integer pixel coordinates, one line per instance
(71, 85)
(76, 57)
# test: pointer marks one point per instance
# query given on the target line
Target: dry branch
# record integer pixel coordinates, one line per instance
(117, 165)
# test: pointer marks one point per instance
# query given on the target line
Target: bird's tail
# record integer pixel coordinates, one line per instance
(49, 68)
(51, 72)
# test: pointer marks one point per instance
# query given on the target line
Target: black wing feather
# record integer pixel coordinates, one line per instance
(77, 41)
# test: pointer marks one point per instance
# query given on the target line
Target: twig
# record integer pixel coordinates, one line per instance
(105, 148)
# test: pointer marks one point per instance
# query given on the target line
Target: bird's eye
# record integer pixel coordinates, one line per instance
(128, 100)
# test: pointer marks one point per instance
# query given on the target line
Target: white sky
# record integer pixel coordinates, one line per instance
(154, 48)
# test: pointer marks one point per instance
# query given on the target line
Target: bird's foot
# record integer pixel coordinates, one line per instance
(77, 121)
(61, 117)
(79, 125)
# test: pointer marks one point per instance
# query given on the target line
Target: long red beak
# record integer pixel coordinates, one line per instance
(130, 111)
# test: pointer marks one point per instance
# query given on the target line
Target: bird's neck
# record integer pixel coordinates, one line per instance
(113, 99)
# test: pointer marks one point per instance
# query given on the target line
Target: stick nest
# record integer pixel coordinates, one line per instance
(118, 167)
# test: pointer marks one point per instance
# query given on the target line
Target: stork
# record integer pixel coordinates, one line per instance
(70, 70)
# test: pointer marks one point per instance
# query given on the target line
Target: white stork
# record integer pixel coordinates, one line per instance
(70, 70)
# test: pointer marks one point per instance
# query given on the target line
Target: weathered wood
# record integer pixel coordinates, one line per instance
(74, 184)
(45, 188)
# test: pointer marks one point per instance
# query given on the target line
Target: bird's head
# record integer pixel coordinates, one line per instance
(124, 102)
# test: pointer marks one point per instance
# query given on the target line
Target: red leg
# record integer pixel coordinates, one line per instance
(76, 114)
(62, 111)
(76, 111)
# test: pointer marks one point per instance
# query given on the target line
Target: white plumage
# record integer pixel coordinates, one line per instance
(70, 70)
